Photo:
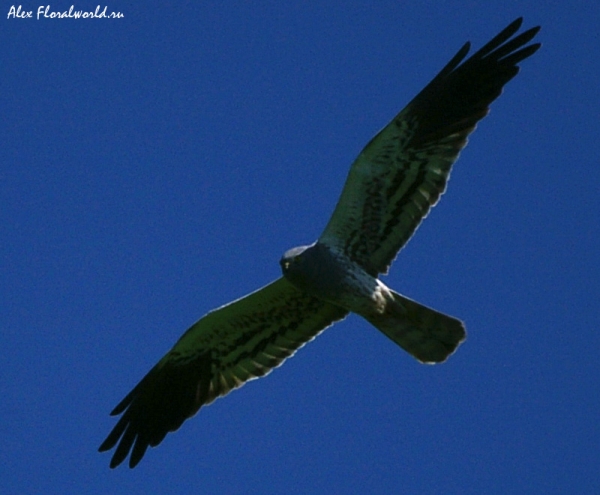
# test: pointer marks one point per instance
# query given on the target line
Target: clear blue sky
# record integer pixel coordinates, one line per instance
(157, 166)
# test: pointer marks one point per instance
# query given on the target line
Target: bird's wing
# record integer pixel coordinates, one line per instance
(229, 346)
(403, 170)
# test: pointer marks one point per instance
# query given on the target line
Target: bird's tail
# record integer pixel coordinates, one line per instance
(424, 333)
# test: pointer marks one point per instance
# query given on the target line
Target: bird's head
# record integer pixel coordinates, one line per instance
(291, 261)
(313, 269)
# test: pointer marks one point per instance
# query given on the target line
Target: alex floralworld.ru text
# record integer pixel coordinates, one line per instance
(44, 11)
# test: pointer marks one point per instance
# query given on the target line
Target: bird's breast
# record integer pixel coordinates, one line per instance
(333, 277)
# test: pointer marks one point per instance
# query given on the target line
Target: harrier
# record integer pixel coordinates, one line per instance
(391, 187)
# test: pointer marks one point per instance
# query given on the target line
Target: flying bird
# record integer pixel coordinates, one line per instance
(390, 188)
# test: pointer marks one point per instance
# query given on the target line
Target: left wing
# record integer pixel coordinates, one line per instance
(403, 170)
(229, 346)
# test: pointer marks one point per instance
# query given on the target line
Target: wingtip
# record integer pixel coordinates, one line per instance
(517, 23)
(512, 28)
(536, 29)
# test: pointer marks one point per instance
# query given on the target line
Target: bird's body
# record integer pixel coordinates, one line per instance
(390, 188)
(333, 277)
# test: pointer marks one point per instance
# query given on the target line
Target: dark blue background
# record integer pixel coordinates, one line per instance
(157, 166)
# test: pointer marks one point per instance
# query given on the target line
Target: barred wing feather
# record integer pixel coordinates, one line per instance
(229, 346)
(404, 169)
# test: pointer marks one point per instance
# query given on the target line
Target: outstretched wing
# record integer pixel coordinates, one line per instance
(229, 346)
(403, 170)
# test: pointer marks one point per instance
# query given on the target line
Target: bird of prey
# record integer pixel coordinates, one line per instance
(390, 188)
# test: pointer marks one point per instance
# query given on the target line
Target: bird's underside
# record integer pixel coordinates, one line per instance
(390, 188)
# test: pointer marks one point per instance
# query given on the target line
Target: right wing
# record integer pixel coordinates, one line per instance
(403, 170)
